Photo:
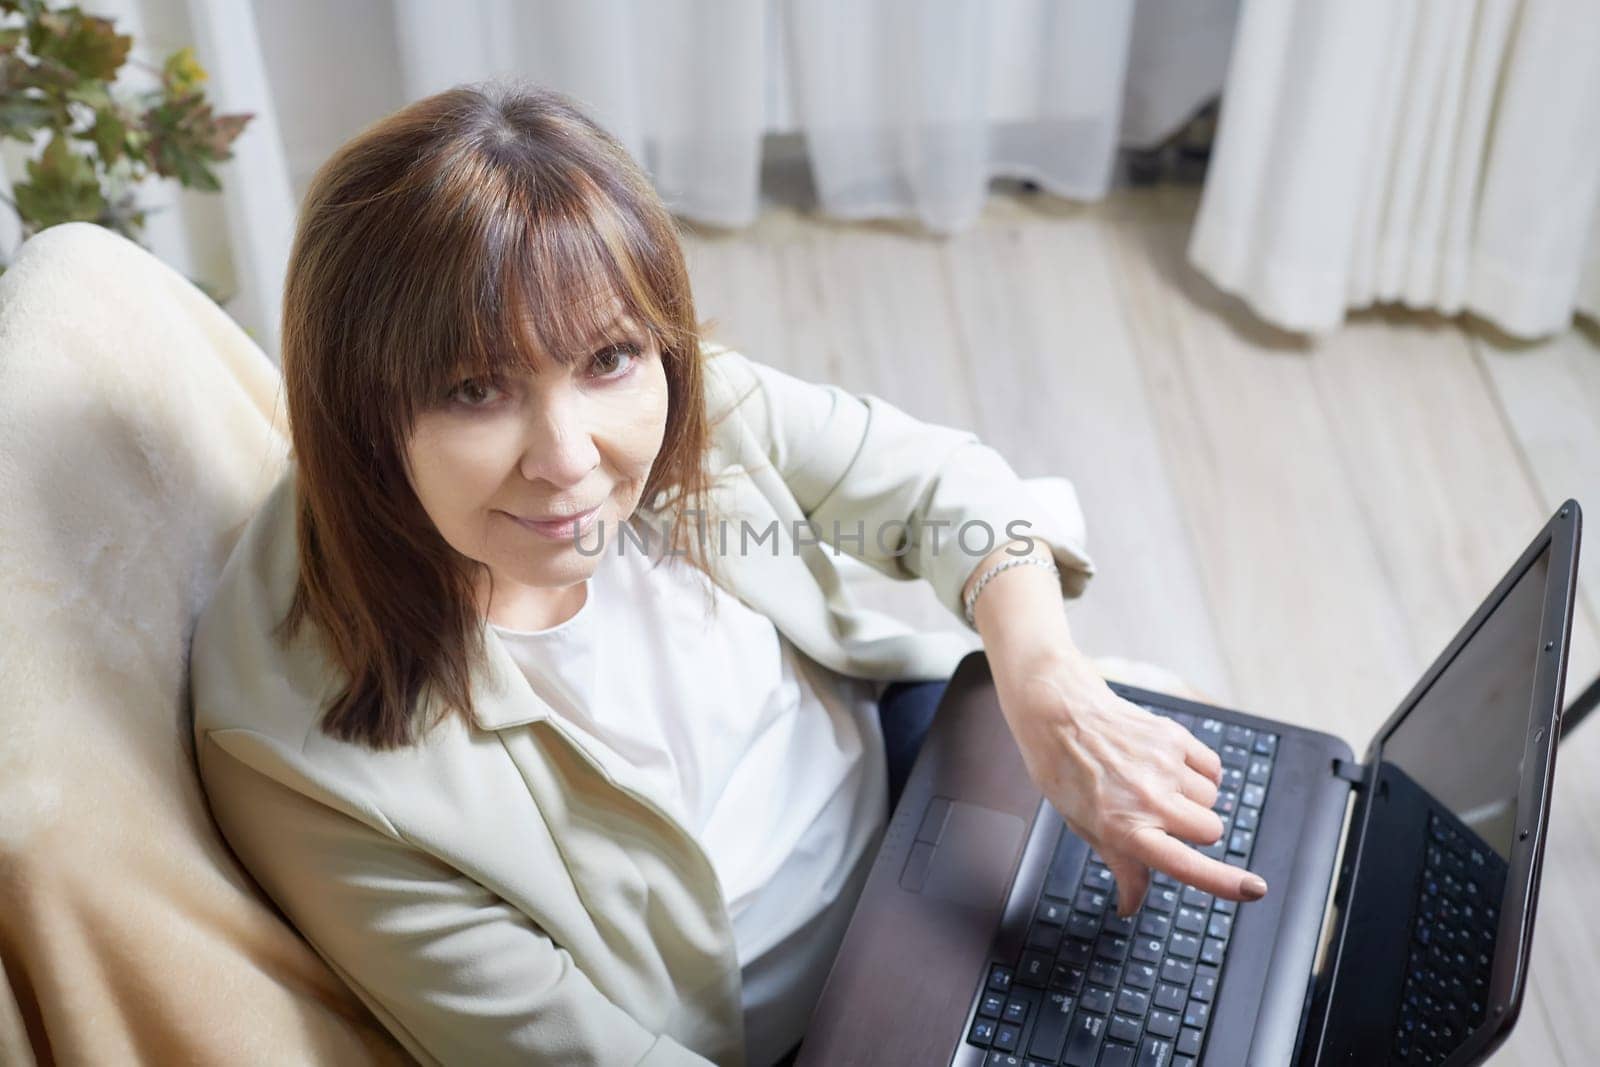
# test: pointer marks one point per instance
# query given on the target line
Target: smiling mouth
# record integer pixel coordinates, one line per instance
(559, 528)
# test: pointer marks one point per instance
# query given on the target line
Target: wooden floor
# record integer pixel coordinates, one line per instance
(1296, 527)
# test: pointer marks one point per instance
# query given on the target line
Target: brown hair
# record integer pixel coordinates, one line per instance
(420, 244)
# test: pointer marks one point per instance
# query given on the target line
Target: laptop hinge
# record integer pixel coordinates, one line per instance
(1354, 773)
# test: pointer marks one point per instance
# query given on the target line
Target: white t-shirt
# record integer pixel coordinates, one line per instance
(774, 762)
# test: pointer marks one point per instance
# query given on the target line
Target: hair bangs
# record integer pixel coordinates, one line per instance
(567, 292)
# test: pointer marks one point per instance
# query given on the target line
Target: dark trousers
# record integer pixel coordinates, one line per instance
(906, 711)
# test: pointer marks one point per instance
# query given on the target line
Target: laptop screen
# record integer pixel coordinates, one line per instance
(1425, 905)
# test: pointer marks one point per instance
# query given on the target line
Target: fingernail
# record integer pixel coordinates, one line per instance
(1253, 887)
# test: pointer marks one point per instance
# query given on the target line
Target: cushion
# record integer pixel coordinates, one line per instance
(139, 429)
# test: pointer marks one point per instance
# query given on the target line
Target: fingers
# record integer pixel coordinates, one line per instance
(1197, 787)
(1202, 758)
(1189, 819)
(1154, 847)
(1133, 881)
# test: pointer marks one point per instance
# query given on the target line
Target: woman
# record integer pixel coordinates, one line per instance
(496, 697)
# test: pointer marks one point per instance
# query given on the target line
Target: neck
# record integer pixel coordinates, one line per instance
(537, 608)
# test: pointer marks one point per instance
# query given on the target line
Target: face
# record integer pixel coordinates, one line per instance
(493, 455)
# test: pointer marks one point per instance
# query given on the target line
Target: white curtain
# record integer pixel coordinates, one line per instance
(907, 107)
(1440, 153)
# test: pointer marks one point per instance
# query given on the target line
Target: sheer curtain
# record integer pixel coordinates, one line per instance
(1444, 154)
(907, 107)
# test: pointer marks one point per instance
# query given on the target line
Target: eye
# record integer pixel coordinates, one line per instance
(613, 356)
(474, 392)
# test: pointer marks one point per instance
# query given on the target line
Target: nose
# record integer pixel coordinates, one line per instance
(559, 445)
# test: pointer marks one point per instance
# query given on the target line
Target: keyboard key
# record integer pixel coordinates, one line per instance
(1034, 970)
(1197, 1014)
(1190, 920)
(1234, 756)
(1227, 801)
(1140, 976)
(1050, 1031)
(1162, 1023)
(1247, 819)
(1154, 924)
(1115, 1055)
(1155, 1052)
(1133, 1002)
(1006, 1037)
(1075, 953)
(991, 1005)
(1240, 841)
(1067, 979)
(1115, 924)
(1104, 972)
(1211, 732)
(1003, 1059)
(1052, 911)
(1083, 1040)
(1195, 898)
(1183, 946)
(1259, 771)
(1239, 735)
(1044, 937)
(1163, 900)
(1170, 997)
(1147, 949)
(982, 1033)
(1016, 1011)
(1265, 744)
(1000, 978)
(1123, 1028)
(1178, 972)
(1091, 901)
(1211, 951)
(1097, 878)
(1163, 879)
(1205, 983)
(1189, 1042)
(1220, 925)
(1084, 926)
(1111, 947)
(1095, 999)
(1252, 795)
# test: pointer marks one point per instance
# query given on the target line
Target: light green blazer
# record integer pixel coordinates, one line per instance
(491, 893)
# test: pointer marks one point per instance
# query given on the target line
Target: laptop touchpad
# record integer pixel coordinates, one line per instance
(963, 853)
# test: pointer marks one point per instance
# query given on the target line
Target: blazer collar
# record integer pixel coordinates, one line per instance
(501, 695)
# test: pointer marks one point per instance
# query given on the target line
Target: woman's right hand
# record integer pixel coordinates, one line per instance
(1136, 786)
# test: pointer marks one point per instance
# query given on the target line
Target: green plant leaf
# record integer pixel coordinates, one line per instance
(92, 93)
(61, 187)
(21, 115)
(88, 45)
(109, 134)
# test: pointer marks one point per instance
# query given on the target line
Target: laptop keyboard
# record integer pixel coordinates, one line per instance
(1094, 990)
(1452, 945)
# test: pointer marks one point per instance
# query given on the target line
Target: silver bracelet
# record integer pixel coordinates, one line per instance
(972, 597)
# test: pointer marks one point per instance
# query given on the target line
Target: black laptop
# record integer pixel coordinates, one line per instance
(1398, 924)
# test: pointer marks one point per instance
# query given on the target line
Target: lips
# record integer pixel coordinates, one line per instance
(556, 520)
(558, 528)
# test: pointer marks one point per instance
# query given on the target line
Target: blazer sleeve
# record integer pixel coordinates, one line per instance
(858, 464)
(454, 972)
